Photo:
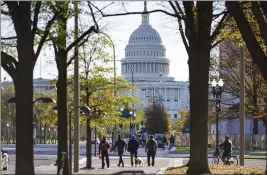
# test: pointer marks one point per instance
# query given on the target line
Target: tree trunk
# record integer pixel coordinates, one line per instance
(88, 144)
(24, 115)
(199, 77)
(62, 107)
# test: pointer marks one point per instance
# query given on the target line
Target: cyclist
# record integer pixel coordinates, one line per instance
(227, 149)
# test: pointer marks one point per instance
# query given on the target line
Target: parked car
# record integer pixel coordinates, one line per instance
(158, 138)
(5, 160)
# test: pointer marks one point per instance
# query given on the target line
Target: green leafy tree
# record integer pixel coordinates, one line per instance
(95, 83)
(8, 111)
(157, 120)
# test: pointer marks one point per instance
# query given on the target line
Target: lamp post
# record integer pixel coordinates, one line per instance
(43, 135)
(153, 88)
(114, 135)
(85, 109)
(217, 95)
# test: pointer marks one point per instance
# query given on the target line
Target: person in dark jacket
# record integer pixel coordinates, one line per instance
(133, 146)
(227, 148)
(172, 140)
(151, 149)
(121, 145)
(103, 151)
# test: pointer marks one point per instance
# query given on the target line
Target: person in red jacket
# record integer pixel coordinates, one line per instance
(103, 151)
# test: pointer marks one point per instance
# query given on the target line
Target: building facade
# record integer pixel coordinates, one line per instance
(145, 64)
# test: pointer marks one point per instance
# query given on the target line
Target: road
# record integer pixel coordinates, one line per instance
(47, 154)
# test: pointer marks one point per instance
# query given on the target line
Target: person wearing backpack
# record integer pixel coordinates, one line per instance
(121, 145)
(151, 149)
(103, 151)
(133, 146)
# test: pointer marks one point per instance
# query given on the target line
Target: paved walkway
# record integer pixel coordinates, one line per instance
(160, 165)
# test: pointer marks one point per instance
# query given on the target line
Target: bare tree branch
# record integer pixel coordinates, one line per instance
(216, 43)
(36, 14)
(216, 32)
(180, 27)
(46, 33)
(9, 63)
(100, 10)
(180, 9)
(9, 38)
(81, 44)
(89, 31)
(133, 13)
(93, 16)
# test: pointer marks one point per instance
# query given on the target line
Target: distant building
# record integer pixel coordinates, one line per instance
(39, 85)
(145, 60)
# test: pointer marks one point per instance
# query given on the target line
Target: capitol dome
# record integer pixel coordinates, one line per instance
(145, 55)
(145, 34)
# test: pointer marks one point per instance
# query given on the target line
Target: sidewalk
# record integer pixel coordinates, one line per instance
(160, 165)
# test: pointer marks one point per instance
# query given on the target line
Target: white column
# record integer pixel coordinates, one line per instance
(165, 94)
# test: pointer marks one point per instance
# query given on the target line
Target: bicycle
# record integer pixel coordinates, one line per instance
(230, 160)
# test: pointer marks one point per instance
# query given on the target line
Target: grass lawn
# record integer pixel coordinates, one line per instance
(187, 148)
(221, 169)
(255, 157)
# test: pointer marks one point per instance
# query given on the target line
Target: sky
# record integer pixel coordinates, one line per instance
(120, 29)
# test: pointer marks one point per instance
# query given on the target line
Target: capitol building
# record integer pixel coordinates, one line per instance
(145, 64)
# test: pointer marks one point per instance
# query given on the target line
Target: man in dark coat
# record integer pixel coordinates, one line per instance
(121, 145)
(133, 146)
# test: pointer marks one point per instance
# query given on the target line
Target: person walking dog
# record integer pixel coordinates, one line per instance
(133, 146)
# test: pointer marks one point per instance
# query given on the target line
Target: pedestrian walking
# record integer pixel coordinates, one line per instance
(151, 149)
(171, 142)
(103, 151)
(133, 146)
(121, 145)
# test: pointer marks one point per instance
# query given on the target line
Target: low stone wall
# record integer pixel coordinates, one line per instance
(257, 141)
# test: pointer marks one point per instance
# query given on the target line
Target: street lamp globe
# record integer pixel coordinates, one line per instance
(213, 83)
(121, 109)
(131, 112)
(7, 124)
(220, 83)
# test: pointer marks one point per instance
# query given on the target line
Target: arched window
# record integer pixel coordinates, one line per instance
(151, 53)
(147, 52)
(154, 53)
(133, 53)
(175, 115)
(136, 53)
(144, 53)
